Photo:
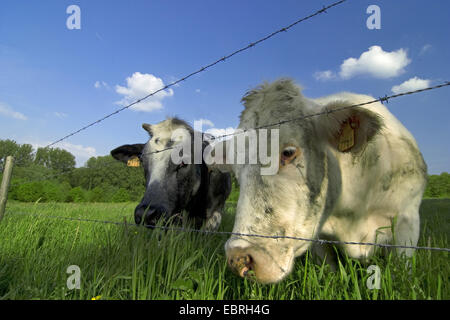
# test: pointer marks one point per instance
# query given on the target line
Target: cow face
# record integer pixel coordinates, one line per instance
(170, 187)
(296, 200)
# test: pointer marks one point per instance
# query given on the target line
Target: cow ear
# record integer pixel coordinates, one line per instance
(348, 129)
(148, 127)
(127, 151)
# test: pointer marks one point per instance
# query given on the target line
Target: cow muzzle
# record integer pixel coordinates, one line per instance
(257, 263)
(241, 263)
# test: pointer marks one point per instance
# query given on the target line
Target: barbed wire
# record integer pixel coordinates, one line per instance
(382, 99)
(230, 233)
(202, 69)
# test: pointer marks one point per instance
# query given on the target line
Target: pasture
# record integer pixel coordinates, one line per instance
(127, 262)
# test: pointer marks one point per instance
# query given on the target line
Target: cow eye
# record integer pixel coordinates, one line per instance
(288, 155)
(289, 152)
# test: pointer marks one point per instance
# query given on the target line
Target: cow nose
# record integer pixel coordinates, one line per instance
(241, 262)
(139, 212)
(149, 214)
(154, 214)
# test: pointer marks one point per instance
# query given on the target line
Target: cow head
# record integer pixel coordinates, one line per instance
(170, 187)
(297, 199)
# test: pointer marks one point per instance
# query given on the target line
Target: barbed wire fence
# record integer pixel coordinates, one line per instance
(202, 69)
(239, 234)
(383, 99)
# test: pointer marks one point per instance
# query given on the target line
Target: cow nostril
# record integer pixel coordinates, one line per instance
(137, 219)
(242, 264)
(154, 214)
(139, 213)
(246, 271)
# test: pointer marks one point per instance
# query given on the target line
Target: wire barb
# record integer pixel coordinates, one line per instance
(324, 10)
(384, 99)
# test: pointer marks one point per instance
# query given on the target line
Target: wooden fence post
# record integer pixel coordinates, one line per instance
(7, 170)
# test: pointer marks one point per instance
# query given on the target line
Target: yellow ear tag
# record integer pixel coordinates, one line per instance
(133, 162)
(347, 137)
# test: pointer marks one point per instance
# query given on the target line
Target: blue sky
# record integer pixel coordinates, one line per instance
(54, 80)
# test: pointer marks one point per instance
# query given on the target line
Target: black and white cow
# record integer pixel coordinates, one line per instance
(351, 175)
(172, 188)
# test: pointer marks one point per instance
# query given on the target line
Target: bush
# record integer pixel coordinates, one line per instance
(96, 195)
(76, 194)
(27, 192)
(52, 192)
(44, 191)
(121, 195)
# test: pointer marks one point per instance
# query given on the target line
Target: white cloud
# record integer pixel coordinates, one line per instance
(7, 111)
(203, 122)
(60, 115)
(425, 49)
(411, 85)
(198, 90)
(101, 84)
(377, 63)
(140, 85)
(81, 153)
(216, 132)
(324, 75)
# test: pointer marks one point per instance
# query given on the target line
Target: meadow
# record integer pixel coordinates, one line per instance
(119, 261)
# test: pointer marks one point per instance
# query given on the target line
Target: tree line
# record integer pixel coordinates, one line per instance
(49, 174)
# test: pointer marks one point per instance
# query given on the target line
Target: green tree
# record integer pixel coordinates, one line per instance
(54, 158)
(438, 186)
(49, 174)
(23, 154)
(107, 172)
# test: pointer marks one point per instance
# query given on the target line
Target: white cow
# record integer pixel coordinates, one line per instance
(351, 175)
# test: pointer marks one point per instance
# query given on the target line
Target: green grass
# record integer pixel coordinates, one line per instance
(119, 262)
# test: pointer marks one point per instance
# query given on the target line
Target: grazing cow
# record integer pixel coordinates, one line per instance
(351, 175)
(170, 187)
